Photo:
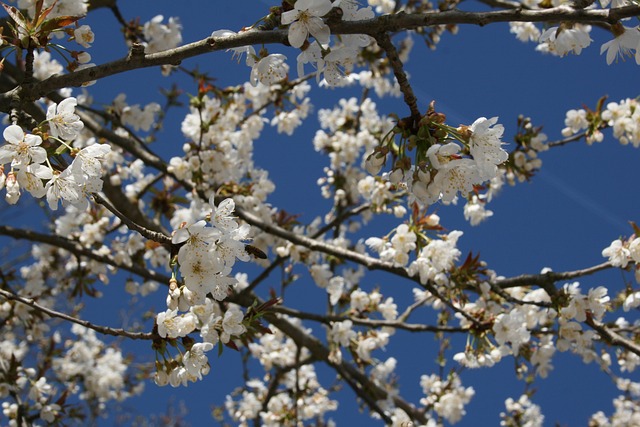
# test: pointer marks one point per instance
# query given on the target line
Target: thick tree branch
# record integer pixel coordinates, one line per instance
(137, 59)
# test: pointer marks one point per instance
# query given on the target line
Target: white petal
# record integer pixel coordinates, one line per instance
(13, 134)
(297, 34)
(319, 30)
(288, 17)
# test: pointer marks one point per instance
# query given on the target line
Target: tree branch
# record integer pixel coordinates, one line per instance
(137, 59)
(545, 280)
(149, 234)
(77, 249)
(384, 41)
(100, 329)
(372, 323)
(612, 337)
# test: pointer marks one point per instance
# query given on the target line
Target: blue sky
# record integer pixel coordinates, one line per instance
(574, 208)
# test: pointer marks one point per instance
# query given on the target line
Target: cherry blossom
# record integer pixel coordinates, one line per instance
(63, 121)
(305, 19)
(622, 45)
(21, 149)
(84, 36)
(269, 70)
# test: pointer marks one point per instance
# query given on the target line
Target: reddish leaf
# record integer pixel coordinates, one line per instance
(16, 16)
(58, 22)
(232, 345)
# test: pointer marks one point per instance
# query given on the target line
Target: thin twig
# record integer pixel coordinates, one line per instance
(372, 323)
(384, 41)
(612, 337)
(544, 280)
(149, 234)
(78, 250)
(100, 329)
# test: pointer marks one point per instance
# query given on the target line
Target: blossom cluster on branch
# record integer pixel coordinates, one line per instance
(123, 207)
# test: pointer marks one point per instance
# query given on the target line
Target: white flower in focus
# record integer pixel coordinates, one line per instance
(439, 155)
(63, 122)
(511, 328)
(305, 19)
(562, 40)
(232, 323)
(622, 45)
(338, 64)
(222, 215)
(616, 252)
(198, 270)
(198, 238)
(22, 149)
(66, 185)
(172, 326)
(485, 146)
(30, 178)
(89, 159)
(313, 55)
(269, 70)
(458, 175)
(84, 36)
(237, 51)
(195, 360)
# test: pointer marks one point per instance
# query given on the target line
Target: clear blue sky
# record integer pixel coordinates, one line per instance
(577, 205)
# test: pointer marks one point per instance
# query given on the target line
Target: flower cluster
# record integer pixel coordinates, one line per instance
(447, 397)
(622, 252)
(306, 18)
(207, 255)
(521, 412)
(214, 327)
(443, 167)
(32, 171)
(160, 36)
(277, 352)
(574, 37)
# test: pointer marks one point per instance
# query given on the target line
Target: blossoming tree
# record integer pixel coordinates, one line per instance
(195, 222)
